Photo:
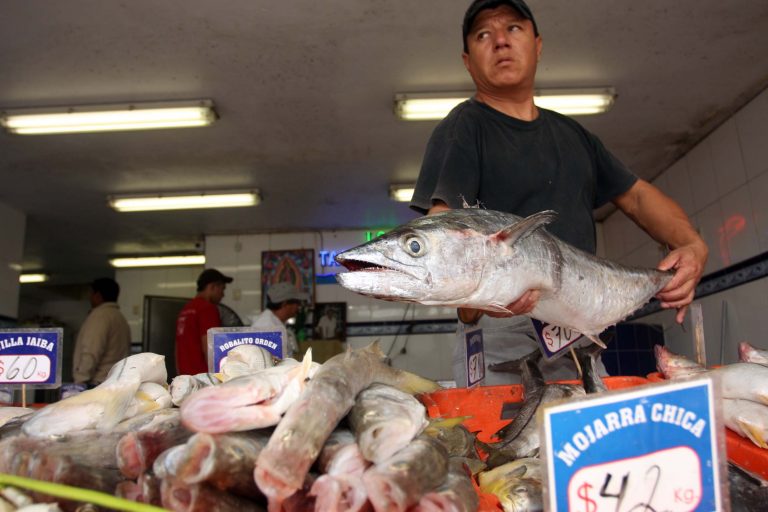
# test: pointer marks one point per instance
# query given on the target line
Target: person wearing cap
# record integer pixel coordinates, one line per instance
(500, 150)
(283, 302)
(104, 338)
(195, 318)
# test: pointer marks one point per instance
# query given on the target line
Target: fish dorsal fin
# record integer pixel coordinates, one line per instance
(525, 227)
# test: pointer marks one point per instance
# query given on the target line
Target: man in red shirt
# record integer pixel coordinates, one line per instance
(196, 317)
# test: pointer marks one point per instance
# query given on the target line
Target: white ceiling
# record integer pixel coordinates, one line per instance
(304, 90)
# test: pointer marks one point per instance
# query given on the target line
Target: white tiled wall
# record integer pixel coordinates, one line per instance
(722, 184)
(12, 243)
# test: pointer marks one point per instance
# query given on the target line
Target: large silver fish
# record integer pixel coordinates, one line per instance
(487, 259)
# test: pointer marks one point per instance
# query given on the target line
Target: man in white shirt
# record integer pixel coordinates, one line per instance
(283, 303)
(104, 338)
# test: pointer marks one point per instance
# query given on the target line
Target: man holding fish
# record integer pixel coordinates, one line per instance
(500, 150)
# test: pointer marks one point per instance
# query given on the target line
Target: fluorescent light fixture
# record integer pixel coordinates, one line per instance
(187, 201)
(32, 278)
(576, 102)
(158, 261)
(570, 102)
(98, 118)
(402, 193)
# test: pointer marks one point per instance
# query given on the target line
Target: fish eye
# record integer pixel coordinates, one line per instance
(414, 246)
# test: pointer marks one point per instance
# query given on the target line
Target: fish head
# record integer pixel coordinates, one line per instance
(521, 494)
(428, 260)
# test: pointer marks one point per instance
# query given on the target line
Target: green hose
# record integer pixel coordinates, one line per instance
(76, 494)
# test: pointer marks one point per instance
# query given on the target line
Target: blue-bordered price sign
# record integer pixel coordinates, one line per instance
(223, 339)
(475, 363)
(30, 357)
(657, 447)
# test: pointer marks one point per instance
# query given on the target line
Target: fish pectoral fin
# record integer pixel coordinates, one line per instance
(525, 227)
(498, 308)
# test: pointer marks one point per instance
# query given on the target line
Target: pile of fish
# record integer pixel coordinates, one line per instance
(743, 385)
(345, 435)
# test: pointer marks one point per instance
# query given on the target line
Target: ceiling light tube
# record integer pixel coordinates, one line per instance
(145, 203)
(570, 102)
(32, 278)
(158, 261)
(97, 118)
(401, 193)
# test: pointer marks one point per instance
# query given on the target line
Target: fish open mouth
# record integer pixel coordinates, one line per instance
(357, 266)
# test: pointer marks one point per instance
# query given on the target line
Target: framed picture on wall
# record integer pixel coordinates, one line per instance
(330, 321)
(295, 266)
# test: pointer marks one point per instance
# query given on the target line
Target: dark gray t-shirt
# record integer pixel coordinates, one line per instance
(521, 167)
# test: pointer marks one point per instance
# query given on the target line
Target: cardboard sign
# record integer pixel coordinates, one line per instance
(30, 357)
(223, 339)
(658, 447)
(475, 357)
(553, 339)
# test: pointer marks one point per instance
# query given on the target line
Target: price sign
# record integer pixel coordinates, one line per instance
(657, 447)
(554, 340)
(30, 357)
(475, 357)
(223, 339)
(25, 369)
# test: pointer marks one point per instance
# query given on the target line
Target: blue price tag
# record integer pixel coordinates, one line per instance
(30, 357)
(223, 339)
(653, 448)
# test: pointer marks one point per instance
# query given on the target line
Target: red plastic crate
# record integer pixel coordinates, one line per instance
(483, 406)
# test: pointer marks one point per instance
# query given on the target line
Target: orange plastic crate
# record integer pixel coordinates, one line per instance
(483, 406)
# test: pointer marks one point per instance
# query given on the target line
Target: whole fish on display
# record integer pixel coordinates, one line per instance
(455, 494)
(520, 437)
(104, 406)
(590, 378)
(486, 259)
(339, 486)
(747, 381)
(384, 420)
(399, 482)
(744, 391)
(283, 465)
(247, 402)
(244, 360)
(184, 385)
(224, 461)
(517, 485)
(750, 354)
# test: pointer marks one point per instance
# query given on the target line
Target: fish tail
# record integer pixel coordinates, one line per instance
(754, 433)
(306, 363)
(414, 384)
(438, 423)
(596, 340)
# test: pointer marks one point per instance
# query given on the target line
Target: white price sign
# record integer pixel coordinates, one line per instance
(667, 480)
(554, 339)
(24, 369)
